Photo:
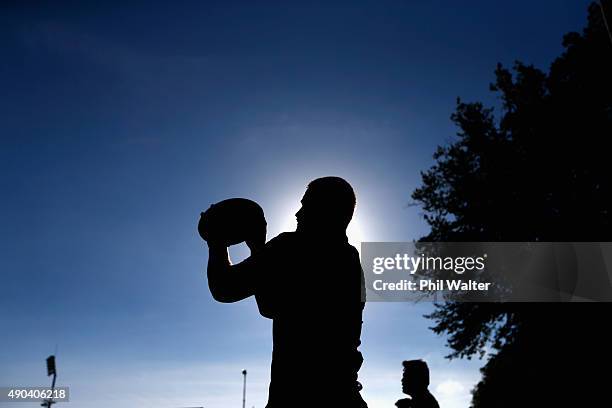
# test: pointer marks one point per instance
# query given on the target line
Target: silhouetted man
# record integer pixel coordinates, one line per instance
(415, 382)
(310, 282)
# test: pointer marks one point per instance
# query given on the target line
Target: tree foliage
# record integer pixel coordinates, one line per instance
(538, 173)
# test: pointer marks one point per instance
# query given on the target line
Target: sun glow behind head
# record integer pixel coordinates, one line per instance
(355, 231)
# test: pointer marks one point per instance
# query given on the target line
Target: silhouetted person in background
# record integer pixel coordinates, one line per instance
(415, 383)
(310, 282)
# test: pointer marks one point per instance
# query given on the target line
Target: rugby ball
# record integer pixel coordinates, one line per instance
(233, 221)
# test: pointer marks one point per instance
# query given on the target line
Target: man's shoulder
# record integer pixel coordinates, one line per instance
(431, 400)
(292, 239)
(286, 235)
(281, 243)
(283, 237)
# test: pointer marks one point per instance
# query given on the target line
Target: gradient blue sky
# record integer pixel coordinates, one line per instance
(119, 124)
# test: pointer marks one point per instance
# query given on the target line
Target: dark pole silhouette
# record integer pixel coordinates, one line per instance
(605, 20)
(51, 370)
(244, 373)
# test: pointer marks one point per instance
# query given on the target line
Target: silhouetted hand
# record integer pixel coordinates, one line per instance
(213, 240)
(232, 221)
(257, 240)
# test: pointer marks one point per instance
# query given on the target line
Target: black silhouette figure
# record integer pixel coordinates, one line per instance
(415, 383)
(310, 282)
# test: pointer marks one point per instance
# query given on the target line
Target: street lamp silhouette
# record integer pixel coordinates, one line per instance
(244, 373)
(51, 371)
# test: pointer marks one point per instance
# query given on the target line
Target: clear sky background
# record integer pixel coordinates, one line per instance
(119, 124)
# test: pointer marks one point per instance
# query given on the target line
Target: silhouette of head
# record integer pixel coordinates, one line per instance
(327, 206)
(416, 377)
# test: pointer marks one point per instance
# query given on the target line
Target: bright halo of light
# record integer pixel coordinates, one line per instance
(289, 221)
(355, 233)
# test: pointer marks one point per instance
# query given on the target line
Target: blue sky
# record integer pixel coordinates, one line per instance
(119, 124)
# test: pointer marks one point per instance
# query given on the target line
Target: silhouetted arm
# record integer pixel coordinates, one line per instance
(253, 276)
(228, 283)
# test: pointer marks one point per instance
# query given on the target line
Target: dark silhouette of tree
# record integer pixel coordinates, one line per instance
(539, 173)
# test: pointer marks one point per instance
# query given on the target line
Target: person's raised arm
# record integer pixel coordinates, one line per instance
(229, 283)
